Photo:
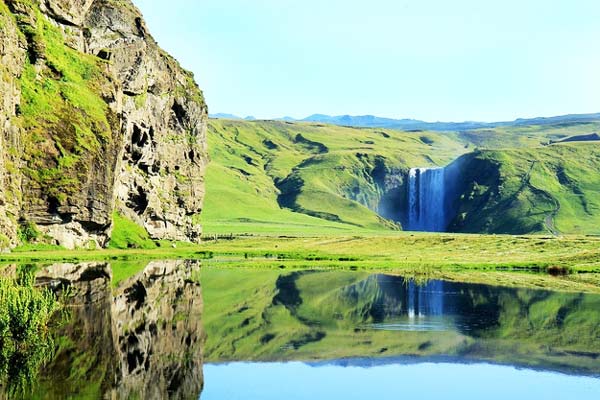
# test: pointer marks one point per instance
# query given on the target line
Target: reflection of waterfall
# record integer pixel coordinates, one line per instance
(427, 200)
(425, 300)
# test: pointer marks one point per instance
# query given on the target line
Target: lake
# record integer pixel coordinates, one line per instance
(176, 329)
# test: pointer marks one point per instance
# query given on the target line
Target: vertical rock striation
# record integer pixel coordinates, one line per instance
(12, 54)
(160, 183)
(95, 117)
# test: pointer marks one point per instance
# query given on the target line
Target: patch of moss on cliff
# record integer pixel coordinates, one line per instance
(190, 90)
(4, 13)
(66, 120)
(127, 234)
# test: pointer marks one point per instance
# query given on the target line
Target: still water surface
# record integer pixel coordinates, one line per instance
(174, 329)
(300, 381)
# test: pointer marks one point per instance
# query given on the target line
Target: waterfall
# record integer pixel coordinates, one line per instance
(426, 200)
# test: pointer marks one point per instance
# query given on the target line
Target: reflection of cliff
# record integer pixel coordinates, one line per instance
(141, 341)
(158, 315)
(86, 337)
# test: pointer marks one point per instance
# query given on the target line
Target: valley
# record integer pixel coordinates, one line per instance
(278, 176)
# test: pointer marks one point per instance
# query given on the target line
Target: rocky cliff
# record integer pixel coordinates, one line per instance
(95, 118)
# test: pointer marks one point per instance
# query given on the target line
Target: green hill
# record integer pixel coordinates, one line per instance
(550, 189)
(301, 178)
(332, 178)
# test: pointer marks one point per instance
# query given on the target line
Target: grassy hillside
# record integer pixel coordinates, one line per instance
(527, 135)
(331, 177)
(552, 189)
(307, 178)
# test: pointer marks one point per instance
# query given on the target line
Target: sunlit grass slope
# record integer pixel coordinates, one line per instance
(545, 189)
(527, 135)
(268, 176)
(308, 178)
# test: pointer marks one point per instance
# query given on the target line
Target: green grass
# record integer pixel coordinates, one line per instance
(527, 135)
(25, 344)
(269, 177)
(473, 258)
(437, 251)
(275, 177)
(552, 189)
(127, 234)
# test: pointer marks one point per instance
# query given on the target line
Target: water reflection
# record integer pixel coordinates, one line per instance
(433, 305)
(142, 339)
(138, 331)
(274, 316)
(304, 381)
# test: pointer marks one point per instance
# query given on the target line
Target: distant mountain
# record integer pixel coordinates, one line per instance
(224, 116)
(372, 121)
(368, 121)
(230, 116)
(286, 119)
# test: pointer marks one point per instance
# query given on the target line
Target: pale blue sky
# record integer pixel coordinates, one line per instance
(426, 59)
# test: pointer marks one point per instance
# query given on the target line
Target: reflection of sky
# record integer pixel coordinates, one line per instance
(299, 381)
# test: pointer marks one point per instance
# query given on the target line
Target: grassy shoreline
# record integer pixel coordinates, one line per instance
(395, 251)
(570, 264)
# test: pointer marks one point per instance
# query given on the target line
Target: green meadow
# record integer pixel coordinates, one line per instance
(283, 178)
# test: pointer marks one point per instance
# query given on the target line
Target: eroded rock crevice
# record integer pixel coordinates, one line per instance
(130, 137)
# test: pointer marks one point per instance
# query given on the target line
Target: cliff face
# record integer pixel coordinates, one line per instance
(12, 54)
(96, 118)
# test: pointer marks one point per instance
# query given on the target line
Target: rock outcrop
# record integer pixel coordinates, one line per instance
(12, 53)
(95, 118)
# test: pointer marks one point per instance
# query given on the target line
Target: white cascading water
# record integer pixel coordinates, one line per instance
(426, 200)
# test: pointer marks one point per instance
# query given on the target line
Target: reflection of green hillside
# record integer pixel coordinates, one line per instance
(275, 315)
